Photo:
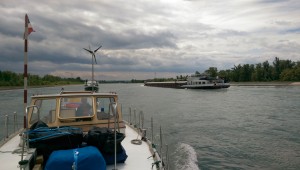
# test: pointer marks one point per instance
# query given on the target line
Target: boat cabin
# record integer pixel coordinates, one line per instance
(76, 109)
(203, 79)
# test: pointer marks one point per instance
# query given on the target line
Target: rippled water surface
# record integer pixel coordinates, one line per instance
(234, 128)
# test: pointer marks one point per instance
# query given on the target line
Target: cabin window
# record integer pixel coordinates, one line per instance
(45, 112)
(104, 108)
(76, 107)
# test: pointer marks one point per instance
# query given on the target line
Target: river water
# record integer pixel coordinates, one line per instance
(235, 128)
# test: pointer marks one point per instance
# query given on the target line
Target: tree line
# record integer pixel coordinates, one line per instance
(8, 78)
(278, 70)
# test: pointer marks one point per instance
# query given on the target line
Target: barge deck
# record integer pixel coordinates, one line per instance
(167, 84)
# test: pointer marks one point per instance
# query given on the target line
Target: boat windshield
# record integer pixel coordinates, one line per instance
(71, 107)
(104, 108)
(45, 112)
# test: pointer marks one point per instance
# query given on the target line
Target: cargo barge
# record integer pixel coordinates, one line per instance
(198, 81)
(167, 84)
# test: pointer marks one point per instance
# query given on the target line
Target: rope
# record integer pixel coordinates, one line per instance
(45, 130)
(136, 142)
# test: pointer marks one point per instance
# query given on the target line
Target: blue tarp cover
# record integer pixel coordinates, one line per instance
(86, 158)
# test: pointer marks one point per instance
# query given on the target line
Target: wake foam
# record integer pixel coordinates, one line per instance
(186, 157)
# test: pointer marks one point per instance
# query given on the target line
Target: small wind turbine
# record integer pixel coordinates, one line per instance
(93, 58)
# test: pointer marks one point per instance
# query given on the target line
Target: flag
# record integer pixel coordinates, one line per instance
(29, 27)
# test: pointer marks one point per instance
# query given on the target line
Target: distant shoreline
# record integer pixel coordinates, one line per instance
(265, 83)
(21, 87)
(231, 84)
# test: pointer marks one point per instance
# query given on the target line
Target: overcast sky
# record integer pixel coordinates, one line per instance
(146, 38)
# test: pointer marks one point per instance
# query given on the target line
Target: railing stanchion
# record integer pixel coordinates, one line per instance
(6, 126)
(134, 114)
(161, 146)
(15, 121)
(167, 157)
(152, 130)
(142, 119)
(130, 116)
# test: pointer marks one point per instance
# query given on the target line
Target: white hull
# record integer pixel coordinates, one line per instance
(206, 86)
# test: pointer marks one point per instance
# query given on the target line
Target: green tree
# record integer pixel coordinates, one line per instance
(224, 74)
(212, 71)
(267, 69)
(291, 74)
(235, 73)
(280, 66)
(258, 73)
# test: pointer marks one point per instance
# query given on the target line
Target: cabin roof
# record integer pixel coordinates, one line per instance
(71, 93)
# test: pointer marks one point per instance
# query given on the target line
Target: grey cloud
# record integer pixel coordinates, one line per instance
(147, 36)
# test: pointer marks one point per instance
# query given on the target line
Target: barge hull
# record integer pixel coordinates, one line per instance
(169, 84)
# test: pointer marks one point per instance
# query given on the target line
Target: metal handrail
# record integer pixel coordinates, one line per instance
(9, 125)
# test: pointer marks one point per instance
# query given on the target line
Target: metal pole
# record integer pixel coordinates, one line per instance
(92, 73)
(167, 156)
(15, 120)
(140, 119)
(160, 147)
(130, 115)
(152, 130)
(134, 112)
(115, 133)
(27, 134)
(6, 126)
(121, 108)
(25, 67)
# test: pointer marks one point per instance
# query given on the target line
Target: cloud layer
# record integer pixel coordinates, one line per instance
(143, 38)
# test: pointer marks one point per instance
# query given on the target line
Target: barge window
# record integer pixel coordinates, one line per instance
(104, 110)
(46, 111)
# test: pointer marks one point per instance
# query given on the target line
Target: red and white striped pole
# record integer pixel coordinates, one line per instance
(25, 68)
(28, 30)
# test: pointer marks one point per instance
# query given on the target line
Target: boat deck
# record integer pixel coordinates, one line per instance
(167, 84)
(10, 153)
(137, 154)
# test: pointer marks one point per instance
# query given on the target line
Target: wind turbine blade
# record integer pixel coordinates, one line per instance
(95, 58)
(98, 49)
(88, 50)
